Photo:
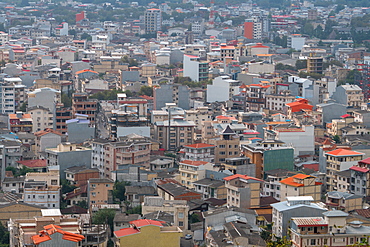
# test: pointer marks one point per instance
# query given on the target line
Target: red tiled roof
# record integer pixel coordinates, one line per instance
(359, 169)
(366, 161)
(194, 162)
(346, 116)
(44, 235)
(24, 115)
(241, 176)
(314, 167)
(199, 145)
(225, 117)
(86, 70)
(33, 163)
(126, 232)
(47, 131)
(146, 222)
(343, 152)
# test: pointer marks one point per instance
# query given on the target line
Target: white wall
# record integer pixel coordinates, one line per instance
(218, 91)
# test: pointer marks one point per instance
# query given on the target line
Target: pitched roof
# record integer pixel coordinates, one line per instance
(366, 161)
(33, 163)
(290, 181)
(241, 176)
(359, 169)
(44, 235)
(194, 162)
(146, 222)
(47, 131)
(344, 152)
(126, 232)
(228, 130)
(199, 145)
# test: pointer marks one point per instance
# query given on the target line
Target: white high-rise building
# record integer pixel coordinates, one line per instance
(153, 20)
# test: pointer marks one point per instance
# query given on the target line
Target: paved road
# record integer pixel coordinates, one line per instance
(186, 243)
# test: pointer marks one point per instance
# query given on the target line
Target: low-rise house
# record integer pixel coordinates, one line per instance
(38, 165)
(79, 175)
(343, 201)
(47, 138)
(12, 184)
(122, 220)
(161, 163)
(210, 188)
(178, 209)
(174, 191)
(135, 194)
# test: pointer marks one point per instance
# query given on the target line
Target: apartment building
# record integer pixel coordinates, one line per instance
(331, 229)
(194, 68)
(20, 122)
(199, 152)
(349, 95)
(153, 20)
(299, 206)
(300, 185)
(81, 104)
(272, 186)
(41, 194)
(227, 145)
(42, 118)
(243, 191)
(339, 160)
(191, 171)
(99, 191)
(174, 133)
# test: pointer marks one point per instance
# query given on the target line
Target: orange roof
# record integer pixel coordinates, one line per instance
(86, 70)
(225, 117)
(24, 115)
(44, 235)
(241, 176)
(199, 145)
(194, 162)
(301, 176)
(146, 222)
(344, 152)
(47, 131)
(33, 163)
(126, 232)
(290, 181)
(227, 47)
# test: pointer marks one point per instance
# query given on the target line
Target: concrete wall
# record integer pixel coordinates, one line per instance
(79, 132)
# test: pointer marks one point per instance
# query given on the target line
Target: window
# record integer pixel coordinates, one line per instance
(181, 223)
(313, 241)
(107, 185)
(181, 215)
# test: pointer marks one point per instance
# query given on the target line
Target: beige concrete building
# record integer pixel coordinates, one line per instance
(330, 230)
(42, 118)
(174, 133)
(191, 171)
(227, 145)
(300, 185)
(51, 177)
(339, 160)
(243, 191)
(344, 201)
(178, 208)
(99, 191)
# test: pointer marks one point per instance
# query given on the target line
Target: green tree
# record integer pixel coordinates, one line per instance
(4, 236)
(194, 218)
(83, 204)
(23, 107)
(146, 90)
(104, 216)
(308, 29)
(66, 186)
(336, 138)
(301, 64)
(86, 36)
(66, 100)
(12, 169)
(23, 171)
(134, 210)
(119, 190)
